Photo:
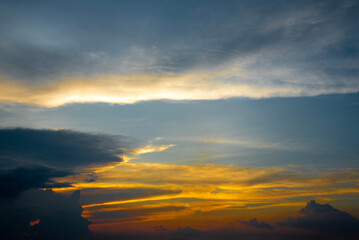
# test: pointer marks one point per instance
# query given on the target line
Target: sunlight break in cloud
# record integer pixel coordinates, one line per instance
(252, 82)
(126, 89)
(149, 149)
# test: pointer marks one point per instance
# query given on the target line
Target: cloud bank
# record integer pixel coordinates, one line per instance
(32, 158)
(324, 218)
(37, 214)
(17, 180)
(58, 148)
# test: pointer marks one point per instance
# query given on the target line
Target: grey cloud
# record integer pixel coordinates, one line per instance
(17, 180)
(324, 218)
(254, 223)
(61, 148)
(31, 158)
(310, 39)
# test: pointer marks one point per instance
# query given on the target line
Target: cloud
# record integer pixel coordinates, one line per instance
(206, 187)
(126, 209)
(125, 89)
(243, 143)
(97, 195)
(56, 217)
(324, 218)
(149, 149)
(186, 232)
(299, 49)
(135, 214)
(14, 181)
(58, 148)
(33, 158)
(254, 223)
(217, 174)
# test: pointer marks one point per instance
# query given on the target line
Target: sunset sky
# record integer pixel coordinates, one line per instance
(191, 119)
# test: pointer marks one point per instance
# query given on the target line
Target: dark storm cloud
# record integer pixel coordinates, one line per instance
(31, 158)
(61, 148)
(254, 223)
(324, 218)
(59, 217)
(14, 181)
(65, 38)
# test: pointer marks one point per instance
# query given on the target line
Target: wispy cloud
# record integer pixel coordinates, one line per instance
(248, 144)
(210, 187)
(148, 149)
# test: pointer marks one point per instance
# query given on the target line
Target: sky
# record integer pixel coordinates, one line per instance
(193, 119)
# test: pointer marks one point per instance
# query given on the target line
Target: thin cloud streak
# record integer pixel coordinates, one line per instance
(248, 144)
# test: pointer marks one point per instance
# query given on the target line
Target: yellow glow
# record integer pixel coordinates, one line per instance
(149, 149)
(207, 188)
(125, 89)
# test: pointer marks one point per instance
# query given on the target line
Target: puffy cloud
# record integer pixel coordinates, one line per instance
(37, 214)
(325, 218)
(254, 223)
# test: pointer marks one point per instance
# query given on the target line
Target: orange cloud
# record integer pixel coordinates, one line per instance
(206, 188)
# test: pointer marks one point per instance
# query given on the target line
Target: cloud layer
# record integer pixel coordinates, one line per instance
(134, 88)
(177, 51)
